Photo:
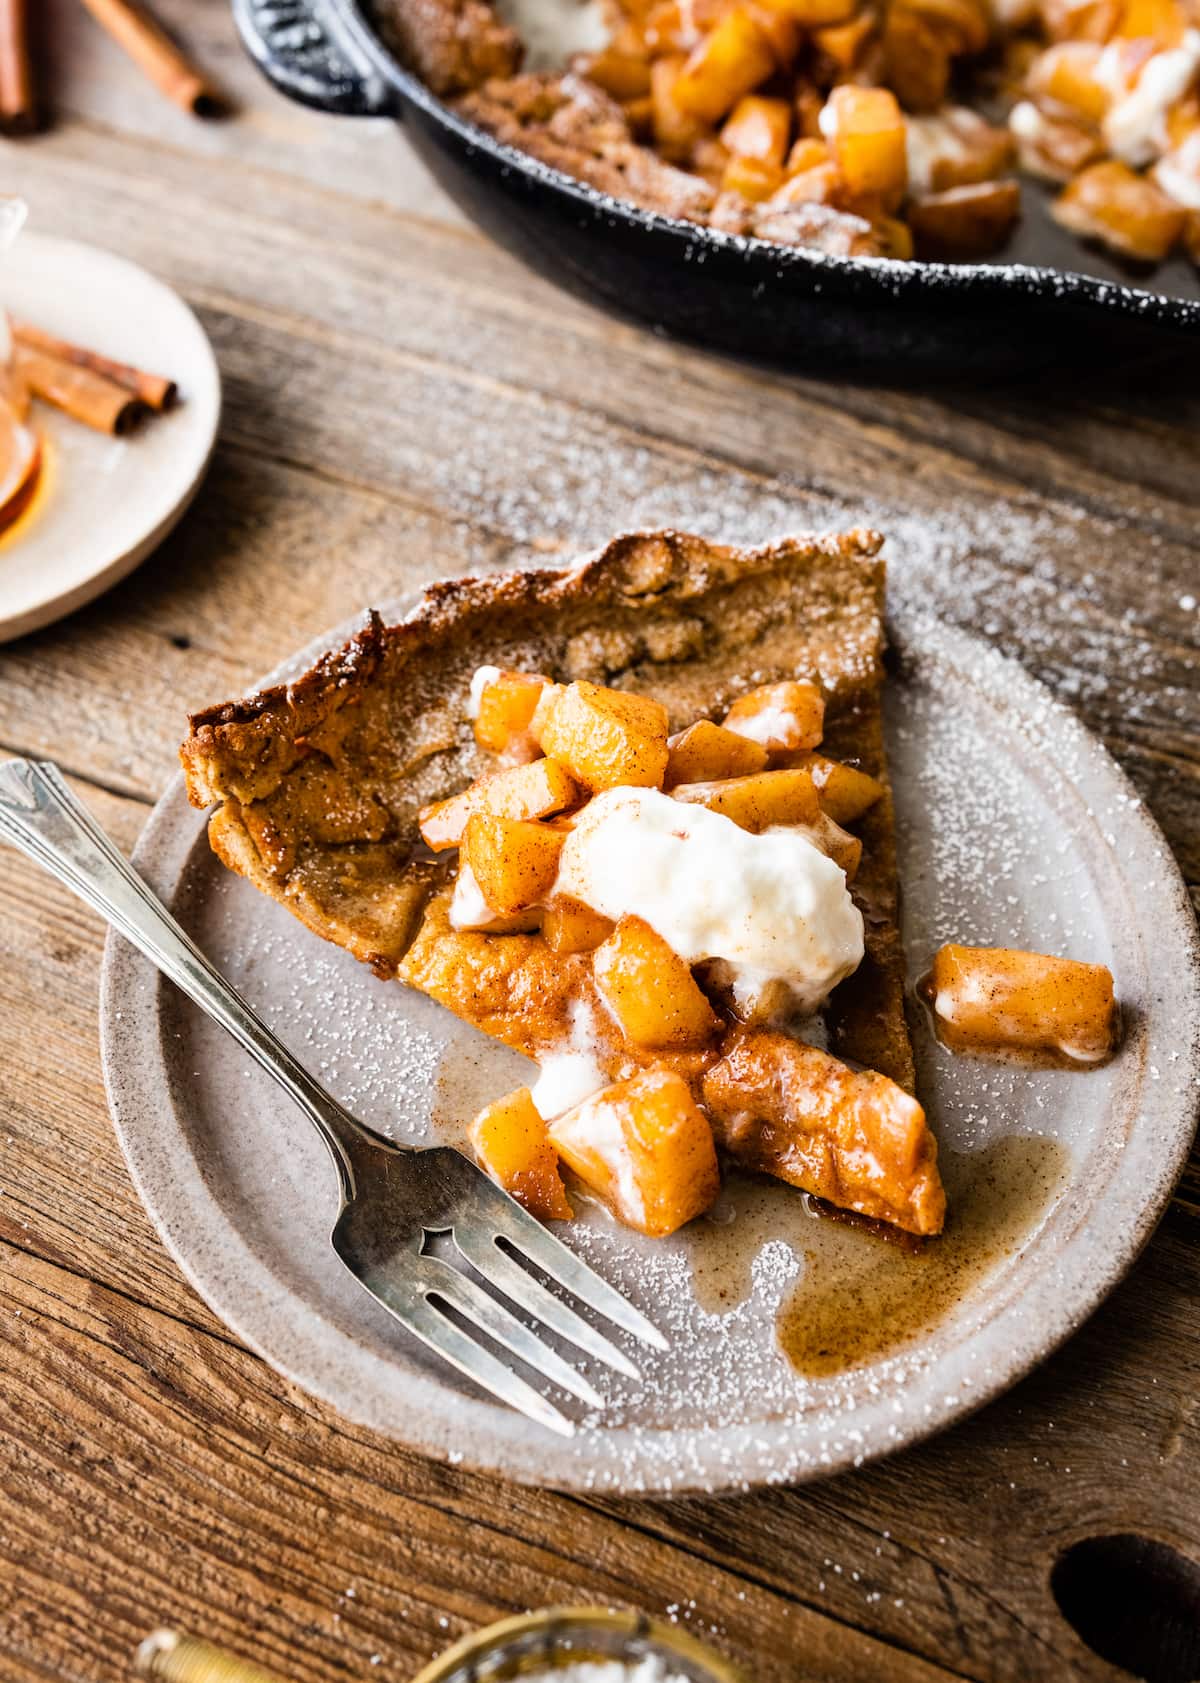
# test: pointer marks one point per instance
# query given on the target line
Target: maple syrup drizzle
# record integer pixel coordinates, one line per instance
(861, 1297)
(866, 1289)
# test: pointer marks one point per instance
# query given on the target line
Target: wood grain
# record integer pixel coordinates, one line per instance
(286, 1528)
(403, 402)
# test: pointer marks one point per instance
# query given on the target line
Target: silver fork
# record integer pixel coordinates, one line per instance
(392, 1197)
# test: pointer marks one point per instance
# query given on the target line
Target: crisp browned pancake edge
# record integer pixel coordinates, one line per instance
(320, 781)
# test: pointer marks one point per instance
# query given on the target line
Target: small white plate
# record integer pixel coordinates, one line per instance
(105, 502)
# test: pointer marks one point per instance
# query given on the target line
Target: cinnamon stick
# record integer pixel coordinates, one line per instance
(154, 390)
(18, 103)
(153, 50)
(79, 392)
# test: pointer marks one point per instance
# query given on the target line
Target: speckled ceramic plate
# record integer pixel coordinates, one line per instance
(799, 1346)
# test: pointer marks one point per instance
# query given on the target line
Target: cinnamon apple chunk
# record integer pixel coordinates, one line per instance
(751, 178)
(997, 998)
(529, 791)
(470, 911)
(651, 991)
(510, 1143)
(645, 1148)
(505, 704)
(605, 738)
(571, 927)
(513, 987)
(759, 128)
(866, 133)
(780, 716)
(1128, 212)
(760, 802)
(844, 792)
(705, 752)
(513, 860)
(843, 848)
(960, 224)
(852, 1137)
(731, 60)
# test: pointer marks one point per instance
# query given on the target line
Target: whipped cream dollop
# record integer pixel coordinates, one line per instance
(772, 907)
(553, 31)
(1135, 127)
(574, 1071)
(481, 678)
(1179, 172)
(468, 908)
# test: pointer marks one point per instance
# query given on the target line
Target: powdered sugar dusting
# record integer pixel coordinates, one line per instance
(998, 843)
(1018, 575)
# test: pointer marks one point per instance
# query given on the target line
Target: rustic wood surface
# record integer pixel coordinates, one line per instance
(404, 401)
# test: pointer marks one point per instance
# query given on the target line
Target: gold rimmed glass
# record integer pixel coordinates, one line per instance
(534, 1645)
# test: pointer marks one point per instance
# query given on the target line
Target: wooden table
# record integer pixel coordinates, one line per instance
(404, 401)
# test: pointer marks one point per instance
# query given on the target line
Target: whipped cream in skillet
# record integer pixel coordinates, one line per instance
(555, 30)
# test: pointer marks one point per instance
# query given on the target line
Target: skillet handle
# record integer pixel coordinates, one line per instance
(305, 49)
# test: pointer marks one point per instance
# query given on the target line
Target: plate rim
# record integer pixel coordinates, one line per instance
(726, 1458)
(167, 513)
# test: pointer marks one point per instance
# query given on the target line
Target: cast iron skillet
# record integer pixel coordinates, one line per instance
(775, 303)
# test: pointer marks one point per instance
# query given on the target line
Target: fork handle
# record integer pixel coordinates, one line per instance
(40, 815)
